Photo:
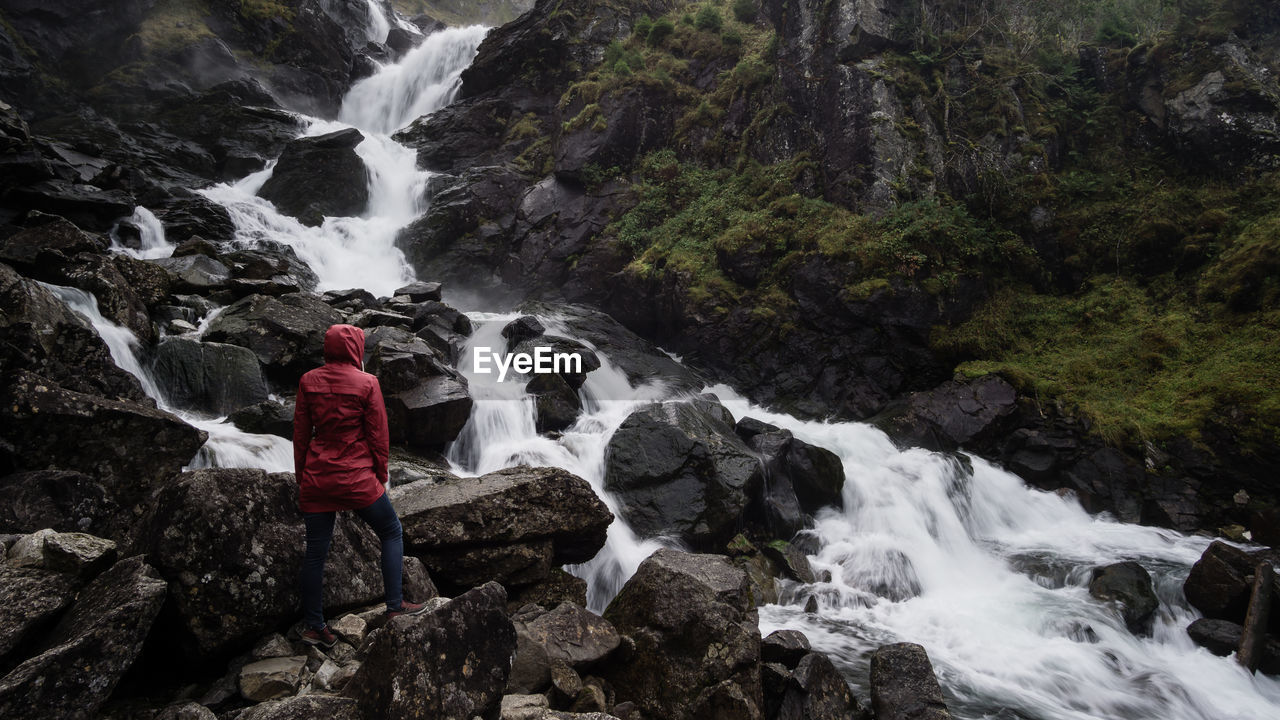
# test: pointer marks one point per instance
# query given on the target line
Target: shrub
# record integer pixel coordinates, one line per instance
(661, 30)
(744, 10)
(708, 19)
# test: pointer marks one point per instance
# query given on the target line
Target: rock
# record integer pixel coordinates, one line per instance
(285, 333)
(129, 446)
(271, 678)
(59, 499)
(82, 659)
(696, 634)
(794, 564)
(558, 587)
(1222, 637)
(799, 476)
(817, 691)
(1220, 583)
(78, 554)
(1129, 584)
(31, 599)
(54, 241)
(273, 263)
(268, 417)
(677, 469)
(230, 543)
(565, 683)
(350, 628)
(903, 685)
(525, 327)
(188, 214)
(568, 634)
(28, 550)
(556, 403)
(378, 318)
(87, 206)
(1265, 527)
(951, 415)
(432, 413)
(307, 707)
(450, 664)
(186, 711)
(575, 369)
(318, 177)
(355, 299)
(421, 291)
(785, 647)
(523, 707)
(196, 273)
(542, 515)
(272, 646)
(40, 334)
(211, 377)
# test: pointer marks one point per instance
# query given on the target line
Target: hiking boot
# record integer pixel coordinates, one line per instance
(407, 608)
(323, 637)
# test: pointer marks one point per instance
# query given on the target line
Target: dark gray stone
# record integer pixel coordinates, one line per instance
(320, 176)
(903, 686)
(210, 377)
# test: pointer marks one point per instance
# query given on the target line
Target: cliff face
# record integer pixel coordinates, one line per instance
(813, 199)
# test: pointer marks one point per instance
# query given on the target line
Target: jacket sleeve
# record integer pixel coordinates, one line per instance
(376, 432)
(301, 431)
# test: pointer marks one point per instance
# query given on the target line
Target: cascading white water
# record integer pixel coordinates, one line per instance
(425, 80)
(991, 577)
(151, 240)
(227, 446)
(985, 572)
(501, 432)
(378, 26)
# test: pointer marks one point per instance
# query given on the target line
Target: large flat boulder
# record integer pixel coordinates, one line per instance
(130, 446)
(678, 469)
(285, 333)
(449, 664)
(696, 635)
(84, 657)
(512, 519)
(230, 544)
(568, 634)
(211, 377)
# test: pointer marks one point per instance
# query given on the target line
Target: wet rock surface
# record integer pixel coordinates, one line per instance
(903, 684)
(318, 177)
(1129, 585)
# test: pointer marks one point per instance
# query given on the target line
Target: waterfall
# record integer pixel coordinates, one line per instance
(991, 577)
(501, 433)
(948, 551)
(151, 240)
(378, 26)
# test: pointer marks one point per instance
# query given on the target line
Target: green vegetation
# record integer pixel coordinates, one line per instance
(265, 10)
(173, 24)
(1141, 367)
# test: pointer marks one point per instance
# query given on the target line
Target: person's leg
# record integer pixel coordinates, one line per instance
(319, 535)
(383, 519)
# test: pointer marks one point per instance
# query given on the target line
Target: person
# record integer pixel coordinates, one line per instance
(340, 449)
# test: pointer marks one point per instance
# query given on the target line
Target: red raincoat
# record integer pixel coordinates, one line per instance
(340, 439)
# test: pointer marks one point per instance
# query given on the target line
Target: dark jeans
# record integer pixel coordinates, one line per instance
(383, 519)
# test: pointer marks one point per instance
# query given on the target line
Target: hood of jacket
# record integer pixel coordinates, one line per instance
(344, 344)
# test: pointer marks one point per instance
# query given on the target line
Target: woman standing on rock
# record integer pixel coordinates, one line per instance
(340, 449)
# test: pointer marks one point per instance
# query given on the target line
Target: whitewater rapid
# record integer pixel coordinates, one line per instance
(948, 551)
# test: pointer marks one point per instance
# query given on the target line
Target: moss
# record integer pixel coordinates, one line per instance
(265, 10)
(172, 25)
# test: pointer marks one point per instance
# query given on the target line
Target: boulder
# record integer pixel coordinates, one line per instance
(271, 262)
(87, 206)
(514, 522)
(129, 446)
(306, 707)
(319, 176)
(63, 500)
(86, 654)
(449, 664)
(209, 377)
(268, 417)
(903, 686)
(1221, 583)
(431, 414)
(38, 332)
(78, 554)
(815, 690)
(285, 333)
(792, 467)
(28, 550)
(558, 587)
(678, 469)
(696, 635)
(421, 291)
(230, 544)
(271, 678)
(196, 273)
(525, 327)
(1222, 637)
(186, 711)
(574, 371)
(189, 214)
(569, 634)
(354, 299)
(785, 647)
(50, 241)
(557, 403)
(1128, 584)
(31, 599)
(951, 415)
